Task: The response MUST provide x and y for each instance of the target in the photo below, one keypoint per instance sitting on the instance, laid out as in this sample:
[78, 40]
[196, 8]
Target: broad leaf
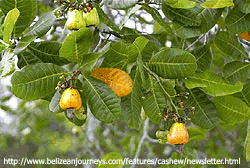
[23, 43]
[196, 134]
[141, 70]
[217, 3]
[102, 101]
[188, 17]
[129, 13]
[132, 104]
[209, 17]
[54, 105]
[42, 26]
[117, 56]
[157, 17]
[120, 4]
[236, 72]
[169, 85]
[77, 45]
[228, 44]
[243, 5]
[231, 110]
[244, 94]
[28, 12]
[237, 22]
[76, 117]
[173, 63]
[38, 29]
[136, 48]
[36, 81]
[205, 115]
[9, 23]
[183, 4]
[155, 102]
[104, 18]
[203, 56]
[6, 64]
[45, 51]
[183, 31]
[88, 62]
[212, 84]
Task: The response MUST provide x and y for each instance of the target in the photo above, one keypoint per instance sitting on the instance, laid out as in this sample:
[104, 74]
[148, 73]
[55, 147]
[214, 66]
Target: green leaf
[217, 3]
[173, 63]
[243, 5]
[76, 45]
[28, 12]
[117, 56]
[231, 110]
[157, 17]
[104, 18]
[42, 26]
[2, 47]
[212, 84]
[76, 117]
[102, 101]
[247, 144]
[237, 22]
[36, 81]
[129, 13]
[228, 44]
[39, 28]
[203, 56]
[169, 86]
[184, 32]
[54, 105]
[9, 22]
[244, 94]
[196, 134]
[205, 115]
[136, 48]
[236, 72]
[209, 17]
[23, 43]
[45, 51]
[111, 156]
[132, 104]
[183, 4]
[6, 64]
[155, 102]
[188, 17]
[88, 62]
[120, 4]
[141, 70]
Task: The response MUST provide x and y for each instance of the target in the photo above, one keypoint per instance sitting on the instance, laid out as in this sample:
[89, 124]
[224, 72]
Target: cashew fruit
[91, 18]
[71, 99]
[178, 134]
[75, 20]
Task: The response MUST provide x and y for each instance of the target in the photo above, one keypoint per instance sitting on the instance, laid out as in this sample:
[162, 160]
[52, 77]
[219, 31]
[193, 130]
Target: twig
[198, 39]
[144, 136]
[4, 43]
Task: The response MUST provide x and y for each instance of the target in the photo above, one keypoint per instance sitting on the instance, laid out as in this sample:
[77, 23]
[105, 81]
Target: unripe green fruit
[162, 141]
[75, 20]
[91, 18]
[76, 130]
[161, 134]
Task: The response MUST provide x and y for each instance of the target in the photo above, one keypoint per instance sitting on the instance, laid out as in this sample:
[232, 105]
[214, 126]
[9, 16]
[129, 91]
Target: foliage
[123, 75]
